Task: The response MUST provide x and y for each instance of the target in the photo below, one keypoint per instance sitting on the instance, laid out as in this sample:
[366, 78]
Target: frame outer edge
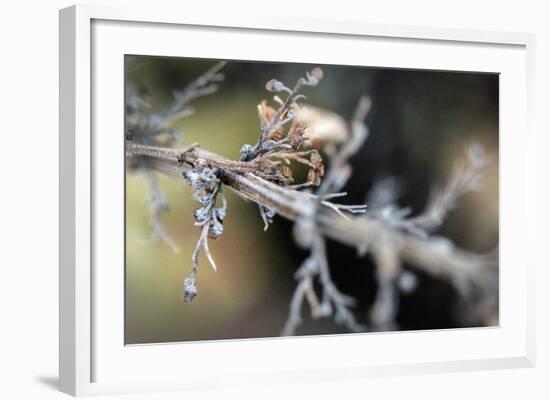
[75, 211]
[280, 22]
[67, 124]
[74, 201]
[530, 46]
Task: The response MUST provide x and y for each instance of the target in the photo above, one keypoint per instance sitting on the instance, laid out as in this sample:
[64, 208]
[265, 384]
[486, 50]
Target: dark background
[420, 125]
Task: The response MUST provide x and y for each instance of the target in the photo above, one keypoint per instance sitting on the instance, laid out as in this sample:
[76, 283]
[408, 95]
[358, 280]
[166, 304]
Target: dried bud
[314, 76]
[189, 289]
[202, 215]
[267, 216]
[270, 213]
[274, 86]
[215, 230]
[246, 150]
[220, 213]
[202, 178]
[317, 72]
[205, 198]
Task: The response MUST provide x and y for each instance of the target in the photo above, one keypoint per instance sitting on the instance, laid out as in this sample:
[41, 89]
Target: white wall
[28, 200]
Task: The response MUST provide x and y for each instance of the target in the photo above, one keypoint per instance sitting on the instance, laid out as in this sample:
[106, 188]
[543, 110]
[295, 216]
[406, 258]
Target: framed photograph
[254, 200]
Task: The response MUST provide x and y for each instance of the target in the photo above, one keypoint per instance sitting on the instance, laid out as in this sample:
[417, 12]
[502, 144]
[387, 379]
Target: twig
[204, 85]
[158, 204]
[148, 129]
[465, 178]
[307, 233]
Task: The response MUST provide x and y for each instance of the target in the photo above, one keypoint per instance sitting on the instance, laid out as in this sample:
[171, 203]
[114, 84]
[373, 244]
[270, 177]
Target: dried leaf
[313, 177]
[296, 134]
[266, 114]
[316, 159]
[287, 172]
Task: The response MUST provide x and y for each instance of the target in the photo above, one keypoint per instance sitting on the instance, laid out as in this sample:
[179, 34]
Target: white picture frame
[93, 359]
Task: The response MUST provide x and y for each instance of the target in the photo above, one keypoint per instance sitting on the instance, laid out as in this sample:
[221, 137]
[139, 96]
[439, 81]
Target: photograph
[267, 199]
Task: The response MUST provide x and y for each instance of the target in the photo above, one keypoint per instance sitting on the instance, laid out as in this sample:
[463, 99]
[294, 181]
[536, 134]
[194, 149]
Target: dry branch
[437, 257]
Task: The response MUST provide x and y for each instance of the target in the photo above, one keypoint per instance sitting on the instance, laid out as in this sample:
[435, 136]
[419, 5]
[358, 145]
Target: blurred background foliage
[420, 125]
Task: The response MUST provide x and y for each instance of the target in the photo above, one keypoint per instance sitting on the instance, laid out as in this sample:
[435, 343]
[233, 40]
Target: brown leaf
[287, 172]
[296, 134]
[313, 177]
[316, 159]
[266, 114]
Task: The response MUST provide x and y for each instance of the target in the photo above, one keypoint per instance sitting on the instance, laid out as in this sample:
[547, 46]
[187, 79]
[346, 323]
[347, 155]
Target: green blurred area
[249, 295]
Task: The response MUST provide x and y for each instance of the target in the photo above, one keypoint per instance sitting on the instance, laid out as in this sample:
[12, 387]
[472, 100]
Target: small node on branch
[190, 289]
